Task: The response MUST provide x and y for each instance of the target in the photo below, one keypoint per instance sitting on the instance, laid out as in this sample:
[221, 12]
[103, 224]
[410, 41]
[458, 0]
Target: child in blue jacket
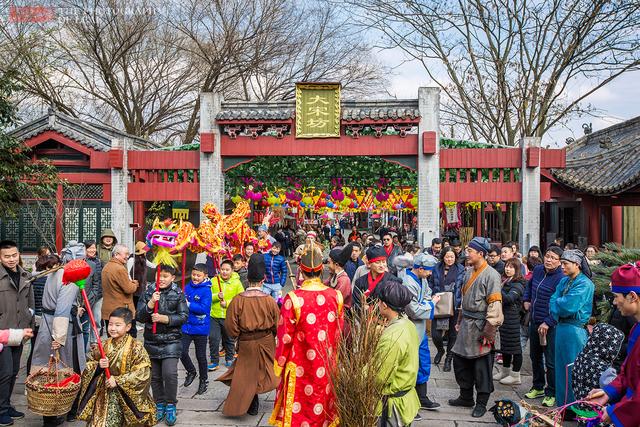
[276, 275]
[198, 295]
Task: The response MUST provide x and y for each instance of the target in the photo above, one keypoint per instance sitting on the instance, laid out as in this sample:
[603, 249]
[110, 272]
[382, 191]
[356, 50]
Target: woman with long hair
[510, 345]
[447, 277]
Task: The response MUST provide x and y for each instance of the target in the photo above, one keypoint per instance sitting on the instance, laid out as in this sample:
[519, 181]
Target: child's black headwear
[256, 268]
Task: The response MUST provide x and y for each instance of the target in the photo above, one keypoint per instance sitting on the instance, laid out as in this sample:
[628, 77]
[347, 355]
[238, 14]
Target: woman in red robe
[308, 331]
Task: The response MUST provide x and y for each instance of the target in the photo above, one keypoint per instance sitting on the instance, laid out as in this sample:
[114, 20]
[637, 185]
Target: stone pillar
[211, 174]
[529, 228]
[121, 209]
[428, 167]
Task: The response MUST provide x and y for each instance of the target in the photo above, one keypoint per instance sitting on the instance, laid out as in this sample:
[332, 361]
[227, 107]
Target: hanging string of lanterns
[337, 199]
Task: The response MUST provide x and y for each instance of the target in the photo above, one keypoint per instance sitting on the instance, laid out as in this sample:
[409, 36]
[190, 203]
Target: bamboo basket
[51, 401]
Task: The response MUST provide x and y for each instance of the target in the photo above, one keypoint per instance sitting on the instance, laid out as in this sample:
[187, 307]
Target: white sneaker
[512, 379]
[502, 373]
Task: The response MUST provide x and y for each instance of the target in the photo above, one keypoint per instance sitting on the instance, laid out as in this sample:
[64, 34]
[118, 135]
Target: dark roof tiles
[604, 163]
[351, 110]
[97, 136]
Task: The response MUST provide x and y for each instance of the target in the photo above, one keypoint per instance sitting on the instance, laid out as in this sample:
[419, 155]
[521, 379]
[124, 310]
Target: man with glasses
[392, 251]
[537, 294]
[493, 258]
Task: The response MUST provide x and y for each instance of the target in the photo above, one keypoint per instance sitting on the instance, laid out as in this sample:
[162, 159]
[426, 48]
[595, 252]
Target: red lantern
[76, 270]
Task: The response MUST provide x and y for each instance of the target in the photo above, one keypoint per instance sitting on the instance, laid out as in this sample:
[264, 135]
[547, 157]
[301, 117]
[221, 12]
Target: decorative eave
[375, 111]
[604, 163]
[96, 136]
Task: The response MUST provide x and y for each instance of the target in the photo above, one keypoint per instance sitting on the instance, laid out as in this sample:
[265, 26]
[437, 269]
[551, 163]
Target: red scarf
[372, 283]
[388, 251]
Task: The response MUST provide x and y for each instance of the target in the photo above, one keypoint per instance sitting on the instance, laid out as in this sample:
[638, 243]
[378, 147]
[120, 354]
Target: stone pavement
[205, 410]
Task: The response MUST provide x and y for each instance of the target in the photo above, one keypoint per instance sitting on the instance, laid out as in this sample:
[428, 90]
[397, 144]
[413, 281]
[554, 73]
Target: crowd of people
[481, 304]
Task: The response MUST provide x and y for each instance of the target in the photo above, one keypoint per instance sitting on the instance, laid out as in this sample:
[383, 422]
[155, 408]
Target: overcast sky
[616, 102]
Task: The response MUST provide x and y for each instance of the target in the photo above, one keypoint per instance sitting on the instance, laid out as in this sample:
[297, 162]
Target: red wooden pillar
[593, 221]
[138, 218]
[59, 218]
[616, 224]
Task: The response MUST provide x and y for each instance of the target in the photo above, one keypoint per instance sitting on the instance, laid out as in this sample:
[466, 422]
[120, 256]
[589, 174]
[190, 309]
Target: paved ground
[206, 409]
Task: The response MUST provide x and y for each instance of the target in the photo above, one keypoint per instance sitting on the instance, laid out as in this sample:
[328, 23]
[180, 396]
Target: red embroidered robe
[308, 330]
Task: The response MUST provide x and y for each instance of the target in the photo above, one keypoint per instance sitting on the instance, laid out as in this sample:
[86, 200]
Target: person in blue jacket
[276, 275]
[419, 310]
[196, 330]
[570, 306]
[537, 293]
[447, 277]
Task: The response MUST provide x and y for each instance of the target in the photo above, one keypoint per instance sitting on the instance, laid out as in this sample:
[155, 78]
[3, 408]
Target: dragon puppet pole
[76, 272]
[216, 265]
[155, 308]
[184, 266]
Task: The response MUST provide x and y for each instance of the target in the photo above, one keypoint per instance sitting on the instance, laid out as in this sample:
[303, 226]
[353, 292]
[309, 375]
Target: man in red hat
[622, 395]
[365, 287]
[311, 318]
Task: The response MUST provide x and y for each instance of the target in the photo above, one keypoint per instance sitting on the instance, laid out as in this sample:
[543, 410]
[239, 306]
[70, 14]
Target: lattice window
[47, 226]
[71, 224]
[32, 228]
[12, 229]
[105, 218]
[83, 191]
[89, 223]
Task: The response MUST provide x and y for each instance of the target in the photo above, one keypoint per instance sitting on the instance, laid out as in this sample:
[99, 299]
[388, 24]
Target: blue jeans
[273, 289]
[542, 357]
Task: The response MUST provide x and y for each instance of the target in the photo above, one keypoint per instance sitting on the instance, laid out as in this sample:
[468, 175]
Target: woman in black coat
[446, 277]
[510, 346]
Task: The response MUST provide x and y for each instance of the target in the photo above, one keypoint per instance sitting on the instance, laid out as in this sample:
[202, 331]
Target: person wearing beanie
[252, 318]
[398, 351]
[265, 240]
[419, 310]
[542, 326]
[315, 312]
[622, 395]
[477, 326]
[570, 306]
[365, 286]
[339, 279]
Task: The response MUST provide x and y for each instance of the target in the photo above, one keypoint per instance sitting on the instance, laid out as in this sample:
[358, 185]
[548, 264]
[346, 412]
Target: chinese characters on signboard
[317, 110]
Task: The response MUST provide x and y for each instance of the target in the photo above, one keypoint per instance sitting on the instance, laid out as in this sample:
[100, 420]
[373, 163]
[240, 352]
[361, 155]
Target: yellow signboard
[318, 110]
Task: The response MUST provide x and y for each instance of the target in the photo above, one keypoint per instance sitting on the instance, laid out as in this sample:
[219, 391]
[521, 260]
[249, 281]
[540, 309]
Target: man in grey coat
[16, 312]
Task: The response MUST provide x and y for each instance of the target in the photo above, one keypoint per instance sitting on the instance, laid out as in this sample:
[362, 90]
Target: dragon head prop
[162, 239]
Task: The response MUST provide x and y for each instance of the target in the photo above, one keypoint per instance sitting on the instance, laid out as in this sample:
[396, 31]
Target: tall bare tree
[509, 68]
[113, 61]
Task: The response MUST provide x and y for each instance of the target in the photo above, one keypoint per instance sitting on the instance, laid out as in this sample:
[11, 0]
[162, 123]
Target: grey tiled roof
[402, 109]
[97, 136]
[604, 163]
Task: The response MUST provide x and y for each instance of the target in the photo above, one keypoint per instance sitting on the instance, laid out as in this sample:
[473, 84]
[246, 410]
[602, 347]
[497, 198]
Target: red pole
[184, 266]
[155, 309]
[87, 307]
[216, 264]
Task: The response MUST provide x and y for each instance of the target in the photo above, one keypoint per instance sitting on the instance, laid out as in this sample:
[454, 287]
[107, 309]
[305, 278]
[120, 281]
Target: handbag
[444, 307]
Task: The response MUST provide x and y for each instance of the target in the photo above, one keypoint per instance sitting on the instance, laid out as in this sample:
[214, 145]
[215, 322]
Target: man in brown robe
[252, 317]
